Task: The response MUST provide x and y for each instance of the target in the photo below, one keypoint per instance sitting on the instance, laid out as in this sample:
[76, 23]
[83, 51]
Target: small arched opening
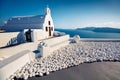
[49, 23]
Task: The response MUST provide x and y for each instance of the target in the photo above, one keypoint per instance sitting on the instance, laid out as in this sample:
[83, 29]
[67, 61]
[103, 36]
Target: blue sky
[66, 13]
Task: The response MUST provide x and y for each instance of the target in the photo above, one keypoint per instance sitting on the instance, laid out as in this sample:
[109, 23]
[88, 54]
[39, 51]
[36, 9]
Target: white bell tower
[47, 10]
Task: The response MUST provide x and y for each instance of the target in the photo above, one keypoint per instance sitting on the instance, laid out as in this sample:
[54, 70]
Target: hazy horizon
[67, 14]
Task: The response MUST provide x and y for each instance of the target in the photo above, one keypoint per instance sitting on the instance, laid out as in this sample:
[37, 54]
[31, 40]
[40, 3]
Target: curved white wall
[9, 38]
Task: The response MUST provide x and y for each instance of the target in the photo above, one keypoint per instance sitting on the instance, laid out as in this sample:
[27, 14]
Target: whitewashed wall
[55, 40]
[10, 51]
[53, 44]
[9, 38]
[15, 62]
[38, 34]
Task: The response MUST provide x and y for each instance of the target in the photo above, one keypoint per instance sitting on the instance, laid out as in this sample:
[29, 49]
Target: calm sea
[89, 34]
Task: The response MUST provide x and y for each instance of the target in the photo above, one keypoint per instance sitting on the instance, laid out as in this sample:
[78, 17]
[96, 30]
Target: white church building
[33, 28]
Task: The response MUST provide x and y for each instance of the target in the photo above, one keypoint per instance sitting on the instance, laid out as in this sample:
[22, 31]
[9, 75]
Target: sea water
[89, 34]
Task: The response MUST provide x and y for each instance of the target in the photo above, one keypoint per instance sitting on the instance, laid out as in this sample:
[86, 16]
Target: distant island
[101, 29]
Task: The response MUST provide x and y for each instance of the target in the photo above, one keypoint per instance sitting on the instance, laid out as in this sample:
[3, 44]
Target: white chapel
[20, 23]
